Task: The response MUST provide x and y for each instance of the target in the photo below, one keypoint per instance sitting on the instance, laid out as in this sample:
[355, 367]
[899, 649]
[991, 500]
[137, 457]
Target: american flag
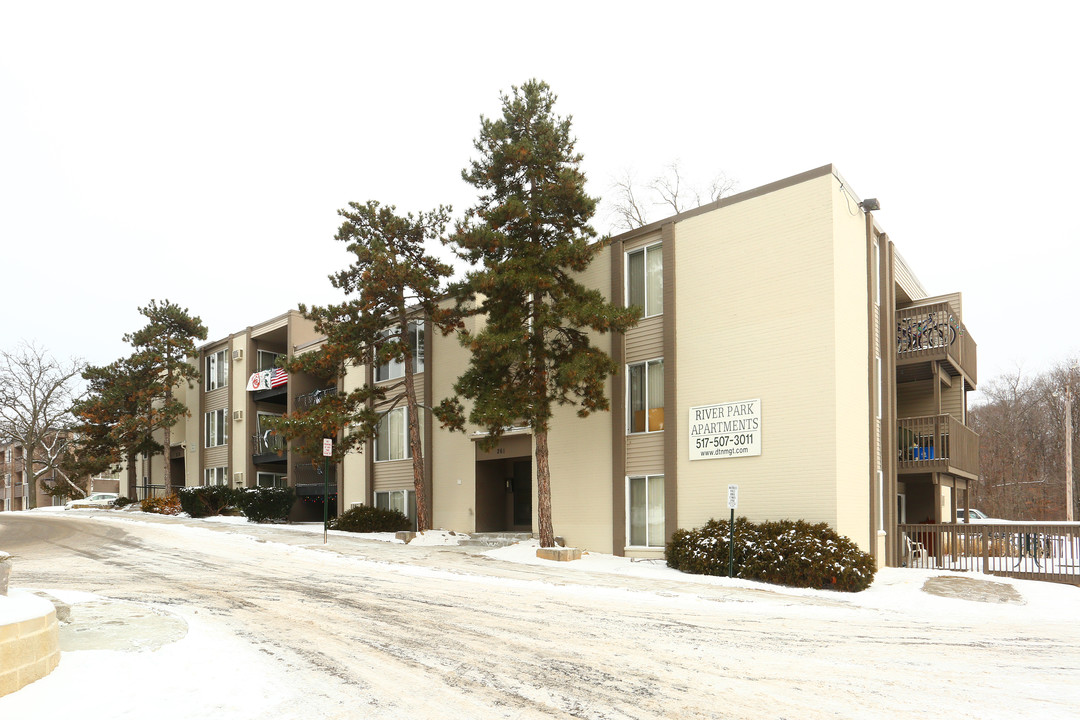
[278, 377]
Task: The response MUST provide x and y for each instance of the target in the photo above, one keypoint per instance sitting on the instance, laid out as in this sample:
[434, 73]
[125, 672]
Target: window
[216, 476]
[216, 432]
[645, 511]
[404, 501]
[395, 368]
[270, 480]
[217, 370]
[391, 437]
[645, 396]
[645, 279]
[267, 360]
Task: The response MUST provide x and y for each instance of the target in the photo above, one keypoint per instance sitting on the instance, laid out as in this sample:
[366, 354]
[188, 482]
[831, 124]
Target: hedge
[207, 500]
[364, 518]
[266, 504]
[785, 552]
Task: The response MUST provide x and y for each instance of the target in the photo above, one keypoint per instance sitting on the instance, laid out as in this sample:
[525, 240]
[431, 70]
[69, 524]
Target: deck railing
[937, 442]
[266, 442]
[934, 331]
[1032, 551]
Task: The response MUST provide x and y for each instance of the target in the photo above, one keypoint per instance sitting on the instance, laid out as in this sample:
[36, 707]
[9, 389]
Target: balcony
[929, 333]
[267, 448]
[938, 443]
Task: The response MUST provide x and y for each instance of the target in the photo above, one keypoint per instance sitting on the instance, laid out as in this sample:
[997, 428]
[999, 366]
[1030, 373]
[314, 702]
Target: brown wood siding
[645, 454]
[646, 341]
[914, 399]
[216, 400]
[952, 400]
[394, 475]
[214, 457]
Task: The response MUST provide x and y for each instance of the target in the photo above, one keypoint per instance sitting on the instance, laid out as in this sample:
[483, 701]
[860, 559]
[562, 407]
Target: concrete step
[495, 539]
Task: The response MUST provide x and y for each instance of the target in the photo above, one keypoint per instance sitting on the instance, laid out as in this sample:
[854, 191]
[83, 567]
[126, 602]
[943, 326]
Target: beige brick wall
[29, 649]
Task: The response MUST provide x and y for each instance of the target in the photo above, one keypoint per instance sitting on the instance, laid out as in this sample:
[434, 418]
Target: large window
[404, 501]
[391, 437]
[267, 360]
[395, 368]
[217, 433]
[270, 480]
[216, 476]
[645, 511]
[217, 370]
[645, 279]
[645, 396]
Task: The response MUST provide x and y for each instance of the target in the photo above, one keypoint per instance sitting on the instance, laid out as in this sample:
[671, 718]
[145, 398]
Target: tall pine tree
[165, 344]
[392, 282]
[527, 238]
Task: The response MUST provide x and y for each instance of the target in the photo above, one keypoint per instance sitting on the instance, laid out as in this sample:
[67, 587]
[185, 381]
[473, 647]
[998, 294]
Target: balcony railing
[938, 443]
[266, 442]
[314, 397]
[933, 332]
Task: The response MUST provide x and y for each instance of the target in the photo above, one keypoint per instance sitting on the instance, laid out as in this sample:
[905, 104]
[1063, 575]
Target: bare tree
[631, 202]
[36, 394]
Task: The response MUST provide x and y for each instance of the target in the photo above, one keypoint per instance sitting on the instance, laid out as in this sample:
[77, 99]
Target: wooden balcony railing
[933, 332]
[938, 443]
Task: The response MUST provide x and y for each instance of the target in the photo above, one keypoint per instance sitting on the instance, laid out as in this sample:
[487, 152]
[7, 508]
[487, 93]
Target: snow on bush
[366, 519]
[785, 552]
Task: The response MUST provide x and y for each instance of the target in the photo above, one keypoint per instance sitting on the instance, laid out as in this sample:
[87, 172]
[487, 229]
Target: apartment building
[785, 347]
[16, 482]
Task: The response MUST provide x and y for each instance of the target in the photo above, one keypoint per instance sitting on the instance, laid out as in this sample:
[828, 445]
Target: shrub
[122, 502]
[704, 551]
[786, 552]
[364, 518]
[169, 505]
[207, 500]
[266, 504]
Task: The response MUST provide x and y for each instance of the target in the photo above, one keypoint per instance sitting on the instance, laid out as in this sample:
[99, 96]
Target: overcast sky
[199, 151]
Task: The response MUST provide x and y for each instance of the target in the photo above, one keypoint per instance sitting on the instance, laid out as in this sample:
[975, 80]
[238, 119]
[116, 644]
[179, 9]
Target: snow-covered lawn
[236, 679]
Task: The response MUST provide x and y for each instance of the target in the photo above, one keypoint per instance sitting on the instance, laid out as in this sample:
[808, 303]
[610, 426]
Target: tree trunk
[132, 477]
[415, 447]
[167, 474]
[543, 489]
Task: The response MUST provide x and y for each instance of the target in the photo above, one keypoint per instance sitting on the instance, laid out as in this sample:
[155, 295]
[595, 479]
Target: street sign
[732, 496]
[327, 447]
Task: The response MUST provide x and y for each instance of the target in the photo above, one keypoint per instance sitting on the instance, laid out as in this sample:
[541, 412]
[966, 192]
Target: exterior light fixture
[870, 204]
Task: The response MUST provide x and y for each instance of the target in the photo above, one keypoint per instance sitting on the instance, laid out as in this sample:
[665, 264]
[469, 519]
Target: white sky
[199, 152]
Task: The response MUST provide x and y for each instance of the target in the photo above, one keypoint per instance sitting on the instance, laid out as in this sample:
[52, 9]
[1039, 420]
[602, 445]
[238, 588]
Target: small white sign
[725, 430]
[327, 447]
[732, 497]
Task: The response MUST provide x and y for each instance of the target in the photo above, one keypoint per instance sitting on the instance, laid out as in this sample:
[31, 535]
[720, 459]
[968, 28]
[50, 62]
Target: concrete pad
[561, 554]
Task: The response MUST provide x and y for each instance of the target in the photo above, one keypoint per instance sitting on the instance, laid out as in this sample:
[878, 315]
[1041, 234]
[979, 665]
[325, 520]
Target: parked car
[93, 500]
[973, 515]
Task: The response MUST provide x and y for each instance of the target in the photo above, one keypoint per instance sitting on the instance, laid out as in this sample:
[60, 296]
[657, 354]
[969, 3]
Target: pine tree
[116, 418]
[391, 282]
[165, 344]
[527, 238]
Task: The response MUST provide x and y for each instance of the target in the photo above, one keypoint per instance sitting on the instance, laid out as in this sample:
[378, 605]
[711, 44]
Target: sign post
[327, 450]
[732, 503]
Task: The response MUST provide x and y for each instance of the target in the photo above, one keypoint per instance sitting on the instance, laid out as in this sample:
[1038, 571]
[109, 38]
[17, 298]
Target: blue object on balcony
[924, 453]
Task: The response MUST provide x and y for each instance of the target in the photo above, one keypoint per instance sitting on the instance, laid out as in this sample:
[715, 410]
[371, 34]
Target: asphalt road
[376, 630]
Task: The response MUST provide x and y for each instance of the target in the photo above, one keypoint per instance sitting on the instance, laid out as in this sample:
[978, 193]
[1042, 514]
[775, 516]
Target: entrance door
[522, 487]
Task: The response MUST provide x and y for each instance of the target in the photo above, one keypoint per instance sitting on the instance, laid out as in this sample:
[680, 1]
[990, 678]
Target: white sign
[725, 430]
[732, 497]
[327, 447]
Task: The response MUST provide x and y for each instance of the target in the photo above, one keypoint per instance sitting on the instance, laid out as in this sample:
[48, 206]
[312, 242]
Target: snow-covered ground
[237, 678]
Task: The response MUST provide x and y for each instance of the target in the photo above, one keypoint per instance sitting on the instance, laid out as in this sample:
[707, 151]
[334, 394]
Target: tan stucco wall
[757, 290]
[354, 466]
[454, 460]
[240, 431]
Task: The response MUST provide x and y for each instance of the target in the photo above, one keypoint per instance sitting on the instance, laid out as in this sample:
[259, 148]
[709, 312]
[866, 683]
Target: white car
[93, 500]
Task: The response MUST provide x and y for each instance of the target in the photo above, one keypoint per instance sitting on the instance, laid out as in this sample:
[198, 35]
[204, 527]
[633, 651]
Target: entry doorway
[504, 495]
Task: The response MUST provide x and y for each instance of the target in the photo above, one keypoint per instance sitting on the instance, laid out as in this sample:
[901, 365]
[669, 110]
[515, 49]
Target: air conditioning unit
[238, 354]
[238, 478]
[237, 414]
